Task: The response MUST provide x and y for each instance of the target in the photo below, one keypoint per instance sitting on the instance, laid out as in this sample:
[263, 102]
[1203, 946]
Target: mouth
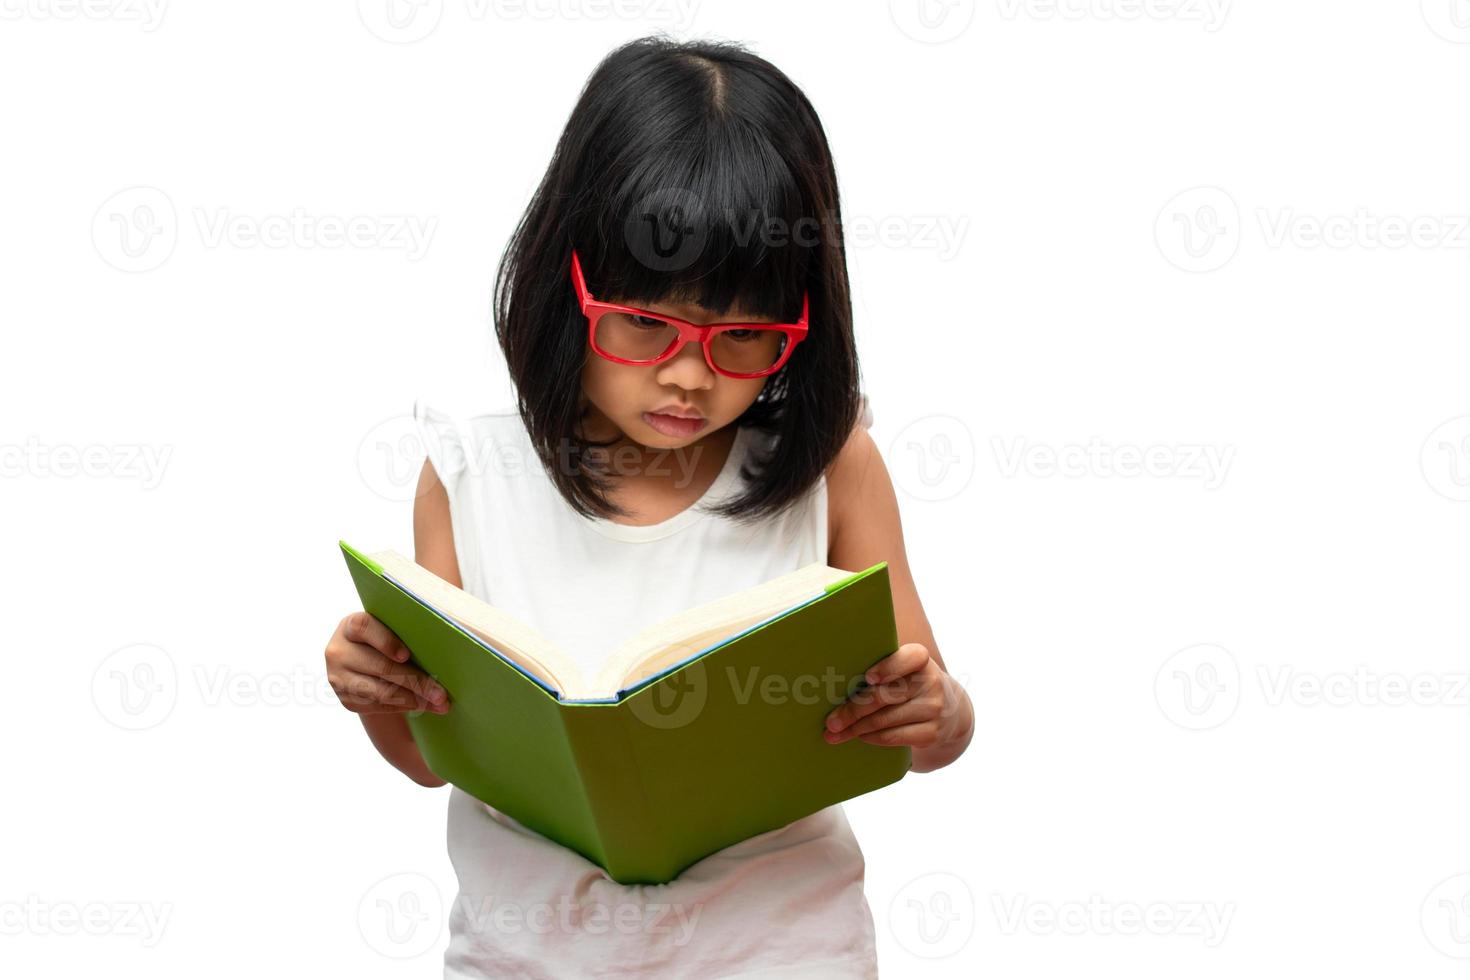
[676, 412]
[674, 425]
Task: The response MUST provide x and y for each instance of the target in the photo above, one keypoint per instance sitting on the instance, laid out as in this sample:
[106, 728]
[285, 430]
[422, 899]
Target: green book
[702, 730]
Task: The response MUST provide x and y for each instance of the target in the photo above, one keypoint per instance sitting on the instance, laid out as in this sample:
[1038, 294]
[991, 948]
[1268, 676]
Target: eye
[739, 335]
[648, 322]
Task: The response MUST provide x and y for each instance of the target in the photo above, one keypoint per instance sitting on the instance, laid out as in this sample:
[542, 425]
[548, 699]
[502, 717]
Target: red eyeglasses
[628, 335]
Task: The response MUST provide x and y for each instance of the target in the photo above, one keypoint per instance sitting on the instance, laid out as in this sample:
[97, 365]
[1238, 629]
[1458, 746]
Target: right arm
[365, 660]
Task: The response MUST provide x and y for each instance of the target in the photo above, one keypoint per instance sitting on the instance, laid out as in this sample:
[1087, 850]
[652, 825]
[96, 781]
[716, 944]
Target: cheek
[607, 385]
[743, 393]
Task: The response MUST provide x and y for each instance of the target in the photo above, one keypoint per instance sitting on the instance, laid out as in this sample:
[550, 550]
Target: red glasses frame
[688, 332]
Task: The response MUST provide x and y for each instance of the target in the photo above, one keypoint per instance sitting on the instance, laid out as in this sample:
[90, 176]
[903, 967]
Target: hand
[367, 667]
[910, 700]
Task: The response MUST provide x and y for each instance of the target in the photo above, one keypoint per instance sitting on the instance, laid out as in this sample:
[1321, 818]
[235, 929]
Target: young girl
[652, 465]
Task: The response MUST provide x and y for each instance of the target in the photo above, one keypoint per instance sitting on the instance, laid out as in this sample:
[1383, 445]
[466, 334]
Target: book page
[517, 641]
[684, 634]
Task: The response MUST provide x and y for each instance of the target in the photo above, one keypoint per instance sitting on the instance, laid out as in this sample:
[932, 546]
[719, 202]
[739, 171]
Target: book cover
[720, 747]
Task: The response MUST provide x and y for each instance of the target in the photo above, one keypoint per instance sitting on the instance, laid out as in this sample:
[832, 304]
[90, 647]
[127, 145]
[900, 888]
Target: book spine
[376, 568]
[843, 583]
[613, 780]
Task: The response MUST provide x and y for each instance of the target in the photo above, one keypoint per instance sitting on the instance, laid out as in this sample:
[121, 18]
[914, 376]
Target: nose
[686, 369]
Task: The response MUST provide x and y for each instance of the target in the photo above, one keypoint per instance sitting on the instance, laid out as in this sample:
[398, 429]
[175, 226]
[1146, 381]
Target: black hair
[692, 171]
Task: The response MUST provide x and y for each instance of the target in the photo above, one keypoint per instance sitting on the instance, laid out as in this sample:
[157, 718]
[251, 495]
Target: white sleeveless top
[786, 903]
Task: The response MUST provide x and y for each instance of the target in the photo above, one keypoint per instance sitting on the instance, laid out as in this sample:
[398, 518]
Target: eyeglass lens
[643, 338]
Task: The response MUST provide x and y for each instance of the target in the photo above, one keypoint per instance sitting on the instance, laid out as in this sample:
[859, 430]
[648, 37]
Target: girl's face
[625, 395]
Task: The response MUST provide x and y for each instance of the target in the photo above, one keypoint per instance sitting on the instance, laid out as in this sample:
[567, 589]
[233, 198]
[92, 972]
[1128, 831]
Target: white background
[1225, 700]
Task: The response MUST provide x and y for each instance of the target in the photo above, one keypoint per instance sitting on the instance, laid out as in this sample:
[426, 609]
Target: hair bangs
[715, 218]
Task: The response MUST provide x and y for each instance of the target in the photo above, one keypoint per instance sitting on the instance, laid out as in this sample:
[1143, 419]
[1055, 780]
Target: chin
[653, 439]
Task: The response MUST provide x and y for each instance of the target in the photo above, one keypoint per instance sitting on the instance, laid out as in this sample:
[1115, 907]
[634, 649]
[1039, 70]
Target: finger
[375, 708]
[365, 689]
[364, 692]
[908, 658]
[362, 627]
[918, 736]
[364, 659]
[867, 700]
[358, 695]
[909, 712]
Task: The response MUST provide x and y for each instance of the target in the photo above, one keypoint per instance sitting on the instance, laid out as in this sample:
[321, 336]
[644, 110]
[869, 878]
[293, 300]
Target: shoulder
[433, 527]
[856, 458]
[456, 441]
[858, 454]
[454, 446]
[862, 508]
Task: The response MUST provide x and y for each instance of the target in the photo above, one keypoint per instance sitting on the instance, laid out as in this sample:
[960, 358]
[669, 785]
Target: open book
[700, 731]
[644, 655]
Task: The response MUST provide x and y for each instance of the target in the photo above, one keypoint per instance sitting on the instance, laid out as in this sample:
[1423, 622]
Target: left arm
[913, 699]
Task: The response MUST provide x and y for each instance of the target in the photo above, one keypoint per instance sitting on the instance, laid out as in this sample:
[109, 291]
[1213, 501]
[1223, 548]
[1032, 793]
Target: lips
[677, 412]
[670, 425]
